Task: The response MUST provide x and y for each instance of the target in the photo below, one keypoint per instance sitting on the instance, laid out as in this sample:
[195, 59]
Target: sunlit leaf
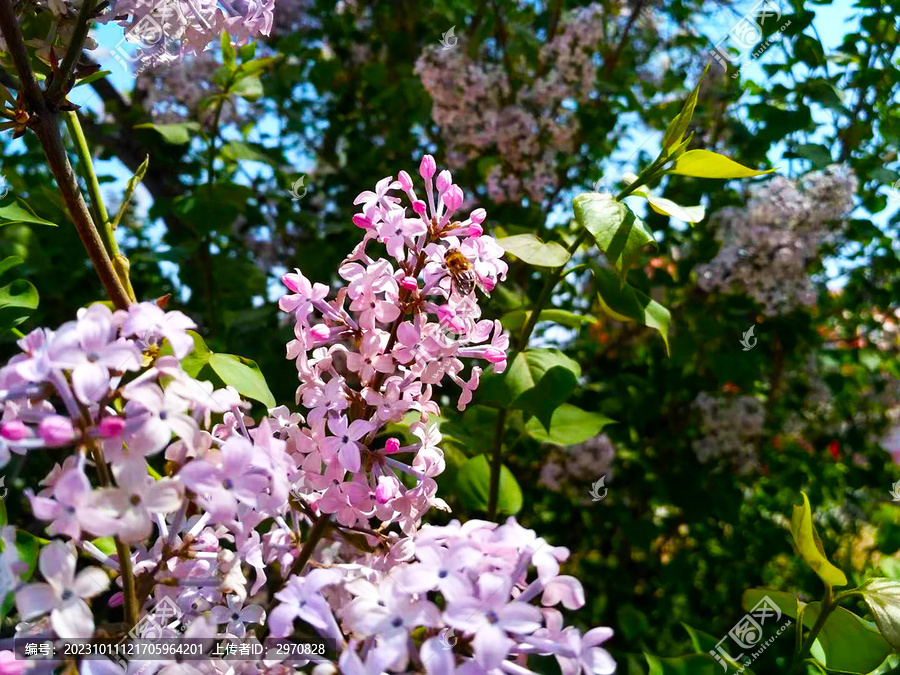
[532, 250]
[708, 164]
[809, 546]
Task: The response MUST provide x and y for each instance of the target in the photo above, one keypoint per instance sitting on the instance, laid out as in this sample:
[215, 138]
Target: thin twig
[120, 263]
[46, 127]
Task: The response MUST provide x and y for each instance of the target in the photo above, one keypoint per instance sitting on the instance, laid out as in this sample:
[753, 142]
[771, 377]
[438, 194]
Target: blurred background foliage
[338, 95]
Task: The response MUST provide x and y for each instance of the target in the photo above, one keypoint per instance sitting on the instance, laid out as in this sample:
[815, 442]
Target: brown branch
[47, 131]
[46, 126]
[9, 26]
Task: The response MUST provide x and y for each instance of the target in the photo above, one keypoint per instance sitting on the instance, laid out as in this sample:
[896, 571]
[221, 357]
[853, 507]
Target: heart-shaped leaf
[883, 598]
[473, 485]
[568, 425]
[532, 250]
[618, 233]
[244, 375]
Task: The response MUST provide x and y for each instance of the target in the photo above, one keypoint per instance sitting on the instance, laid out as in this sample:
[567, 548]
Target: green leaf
[27, 548]
[255, 66]
[626, 303]
[106, 544]
[618, 233]
[4, 518]
[21, 213]
[786, 602]
[177, 133]
[818, 154]
[244, 375]
[689, 214]
[809, 546]
[518, 318]
[93, 77]
[676, 128]
[228, 51]
[9, 263]
[704, 643]
[473, 485]
[237, 150]
[196, 359]
[568, 425]
[250, 87]
[883, 598]
[540, 380]
[532, 250]
[17, 301]
[133, 182]
[247, 52]
[849, 644]
[846, 642]
[708, 164]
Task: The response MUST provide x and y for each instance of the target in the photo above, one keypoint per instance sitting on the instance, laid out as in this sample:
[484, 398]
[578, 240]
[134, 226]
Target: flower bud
[56, 430]
[387, 489]
[361, 221]
[453, 198]
[444, 180]
[419, 207]
[405, 181]
[110, 427]
[427, 167]
[14, 431]
[409, 283]
[391, 446]
[291, 280]
[477, 216]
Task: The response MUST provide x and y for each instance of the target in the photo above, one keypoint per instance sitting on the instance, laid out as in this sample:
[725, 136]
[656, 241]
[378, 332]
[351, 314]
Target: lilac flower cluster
[315, 517]
[474, 105]
[768, 247]
[575, 468]
[167, 30]
[731, 429]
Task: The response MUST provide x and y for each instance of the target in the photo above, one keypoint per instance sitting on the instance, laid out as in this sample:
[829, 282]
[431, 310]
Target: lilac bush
[301, 522]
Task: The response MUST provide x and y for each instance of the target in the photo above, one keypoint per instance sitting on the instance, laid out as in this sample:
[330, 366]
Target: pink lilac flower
[137, 498]
[235, 615]
[64, 593]
[74, 508]
[491, 617]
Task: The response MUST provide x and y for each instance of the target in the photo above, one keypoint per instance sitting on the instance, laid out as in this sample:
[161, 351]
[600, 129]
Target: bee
[461, 271]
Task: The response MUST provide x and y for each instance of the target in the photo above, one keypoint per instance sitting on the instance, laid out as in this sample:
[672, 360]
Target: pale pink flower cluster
[730, 429]
[575, 468]
[163, 31]
[226, 541]
[768, 247]
[479, 115]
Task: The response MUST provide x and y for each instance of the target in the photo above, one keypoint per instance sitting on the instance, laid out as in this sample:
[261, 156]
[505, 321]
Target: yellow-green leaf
[689, 214]
[675, 131]
[708, 164]
[809, 546]
[532, 250]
